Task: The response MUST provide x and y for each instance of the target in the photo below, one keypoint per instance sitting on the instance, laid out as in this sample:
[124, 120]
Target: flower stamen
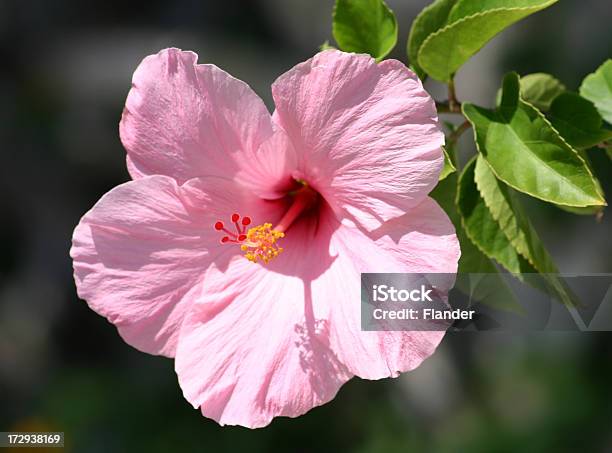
[260, 242]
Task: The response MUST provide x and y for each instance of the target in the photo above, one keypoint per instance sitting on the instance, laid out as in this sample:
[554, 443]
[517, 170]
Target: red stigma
[237, 236]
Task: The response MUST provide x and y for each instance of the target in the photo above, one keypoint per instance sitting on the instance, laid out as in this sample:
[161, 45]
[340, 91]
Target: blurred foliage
[66, 72]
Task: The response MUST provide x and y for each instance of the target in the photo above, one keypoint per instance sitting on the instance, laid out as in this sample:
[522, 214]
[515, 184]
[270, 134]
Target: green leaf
[509, 216]
[470, 25]
[540, 90]
[528, 154]
[364, 26]
[500, 229]
[578, 121]
[472, 260]
[431, 19]
[588, 210]
[482, 228]
[517, 228]
[489, 288]
[597, 88]
[449, 167]
[597, 211]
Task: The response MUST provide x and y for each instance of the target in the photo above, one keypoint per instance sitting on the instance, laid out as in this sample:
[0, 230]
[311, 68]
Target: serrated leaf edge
[466, 18]
[513, 241]
[466, 230]
[561, 84]
[562, 139]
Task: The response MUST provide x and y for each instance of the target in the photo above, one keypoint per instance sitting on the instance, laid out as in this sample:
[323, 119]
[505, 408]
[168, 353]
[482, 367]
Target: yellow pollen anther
[260, 243]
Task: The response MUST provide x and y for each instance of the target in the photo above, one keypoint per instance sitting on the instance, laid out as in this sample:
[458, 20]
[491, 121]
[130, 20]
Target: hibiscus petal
[366, 134]
[268, 173]
[255, 346]
[186, 120]
[141, 252]
[421, 241]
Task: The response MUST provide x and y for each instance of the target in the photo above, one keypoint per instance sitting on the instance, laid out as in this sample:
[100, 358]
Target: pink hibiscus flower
[333, 184]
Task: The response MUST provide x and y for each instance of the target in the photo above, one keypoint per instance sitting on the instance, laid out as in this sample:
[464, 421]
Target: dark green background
[64, 73]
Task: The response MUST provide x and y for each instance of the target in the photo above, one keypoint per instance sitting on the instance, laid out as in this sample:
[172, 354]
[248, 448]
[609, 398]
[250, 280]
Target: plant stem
[444, 107]
[453, 104]
[454, 136]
